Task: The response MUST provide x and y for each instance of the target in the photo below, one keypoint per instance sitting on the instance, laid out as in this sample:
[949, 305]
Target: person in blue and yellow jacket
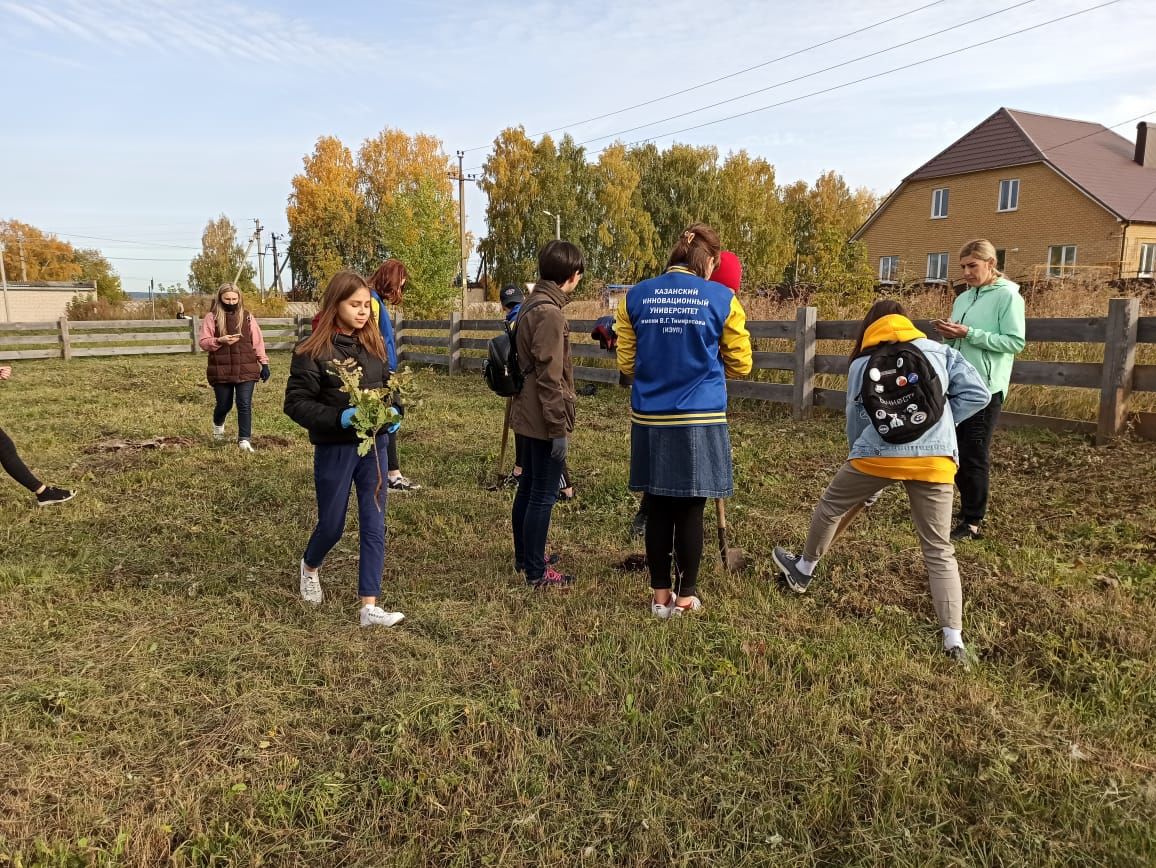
[386, 285]
[680, 336]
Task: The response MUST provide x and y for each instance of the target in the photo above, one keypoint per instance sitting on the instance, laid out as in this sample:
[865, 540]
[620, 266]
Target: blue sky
[140, 121]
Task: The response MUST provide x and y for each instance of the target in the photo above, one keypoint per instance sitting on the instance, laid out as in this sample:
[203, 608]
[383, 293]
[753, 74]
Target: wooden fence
[459, 345]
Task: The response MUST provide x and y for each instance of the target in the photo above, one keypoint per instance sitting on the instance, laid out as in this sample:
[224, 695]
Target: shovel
[505, 440]
[733, 559]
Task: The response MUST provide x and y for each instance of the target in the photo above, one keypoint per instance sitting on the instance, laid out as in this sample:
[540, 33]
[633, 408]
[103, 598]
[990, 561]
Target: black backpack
[502, 371]
[901, 392]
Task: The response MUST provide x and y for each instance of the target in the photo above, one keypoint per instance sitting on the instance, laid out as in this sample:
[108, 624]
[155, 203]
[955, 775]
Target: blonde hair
[983, 249]
[218, 307]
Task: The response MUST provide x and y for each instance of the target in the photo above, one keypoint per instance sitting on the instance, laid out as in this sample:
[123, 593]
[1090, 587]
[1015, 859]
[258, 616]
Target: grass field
[165, 697]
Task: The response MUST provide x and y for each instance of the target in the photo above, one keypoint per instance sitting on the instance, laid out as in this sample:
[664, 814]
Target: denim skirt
[691, 461]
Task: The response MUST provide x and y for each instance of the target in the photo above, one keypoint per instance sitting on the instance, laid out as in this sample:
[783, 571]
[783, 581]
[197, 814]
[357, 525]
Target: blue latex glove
[265, 373]
[392, 427]
[347, 417]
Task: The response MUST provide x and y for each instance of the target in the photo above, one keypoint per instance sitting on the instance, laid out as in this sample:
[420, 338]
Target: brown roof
[1092, 157]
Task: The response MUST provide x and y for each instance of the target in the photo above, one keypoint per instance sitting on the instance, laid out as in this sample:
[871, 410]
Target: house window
[1009, 194]
[1061, 258]
[937, 267]
[1000, 258]
[1147, 260]
[889, 269]
[939, 203]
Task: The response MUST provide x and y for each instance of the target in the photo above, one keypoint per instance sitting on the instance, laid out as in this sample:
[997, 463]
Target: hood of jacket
[892, 328]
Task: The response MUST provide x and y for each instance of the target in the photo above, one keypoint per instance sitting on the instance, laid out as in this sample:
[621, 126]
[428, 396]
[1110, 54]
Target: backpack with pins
[901, 392]
[502, 371]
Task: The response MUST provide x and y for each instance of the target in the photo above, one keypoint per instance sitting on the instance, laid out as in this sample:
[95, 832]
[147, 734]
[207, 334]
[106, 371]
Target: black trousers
[973, 478]
[13, 466]
[674, 524]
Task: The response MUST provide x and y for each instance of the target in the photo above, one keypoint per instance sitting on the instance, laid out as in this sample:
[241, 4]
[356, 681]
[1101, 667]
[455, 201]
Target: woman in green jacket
[987, 327]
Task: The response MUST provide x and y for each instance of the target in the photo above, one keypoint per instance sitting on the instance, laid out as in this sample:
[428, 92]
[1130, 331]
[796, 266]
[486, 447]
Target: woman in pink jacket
[237, 358]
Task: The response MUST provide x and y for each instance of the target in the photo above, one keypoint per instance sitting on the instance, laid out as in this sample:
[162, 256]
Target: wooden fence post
[194, 334]
[65, 344]
[804, 397]
[455, 346]
[297, 326]
[398, 322]
[1119, 362]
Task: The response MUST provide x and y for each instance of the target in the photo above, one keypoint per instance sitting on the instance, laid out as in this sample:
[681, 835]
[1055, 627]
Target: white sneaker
[246, 446]
[311, 586]
[375, 616]
[676, 610]
[662, 610]
[218, 432]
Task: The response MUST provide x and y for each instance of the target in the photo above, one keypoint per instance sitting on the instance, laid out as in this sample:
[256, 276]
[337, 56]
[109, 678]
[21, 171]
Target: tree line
[626, 207]
[30, 254]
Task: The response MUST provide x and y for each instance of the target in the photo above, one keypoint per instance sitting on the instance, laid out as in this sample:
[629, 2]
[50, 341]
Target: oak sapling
[375, 407]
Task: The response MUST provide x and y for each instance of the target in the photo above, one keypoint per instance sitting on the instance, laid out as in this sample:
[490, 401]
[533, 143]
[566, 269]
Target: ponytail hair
[695, 248]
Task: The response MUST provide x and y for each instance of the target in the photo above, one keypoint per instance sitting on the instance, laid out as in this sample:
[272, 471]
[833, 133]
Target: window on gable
[1009, 194]
[939, 203]
[1061, 259]
[1147, 260]
[937, 267]
[888, 269]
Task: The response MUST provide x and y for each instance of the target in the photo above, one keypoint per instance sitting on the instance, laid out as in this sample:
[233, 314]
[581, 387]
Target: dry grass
[165, 698]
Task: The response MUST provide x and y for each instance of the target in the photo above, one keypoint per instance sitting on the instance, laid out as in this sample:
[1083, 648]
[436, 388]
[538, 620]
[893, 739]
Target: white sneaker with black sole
[311, 586]
[788, 565]
[375, 616]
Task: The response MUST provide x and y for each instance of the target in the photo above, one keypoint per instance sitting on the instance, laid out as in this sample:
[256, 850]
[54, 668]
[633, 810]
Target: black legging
[674, 524]
[391, 453]
[16, 468]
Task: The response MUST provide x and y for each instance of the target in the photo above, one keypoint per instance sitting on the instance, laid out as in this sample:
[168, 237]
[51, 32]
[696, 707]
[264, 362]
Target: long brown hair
[883, 307]
[219, 309]
[387, 280]
[340, 287]
[695, 248]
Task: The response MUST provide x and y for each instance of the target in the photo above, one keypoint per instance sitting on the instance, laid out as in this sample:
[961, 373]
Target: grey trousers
[931, 513]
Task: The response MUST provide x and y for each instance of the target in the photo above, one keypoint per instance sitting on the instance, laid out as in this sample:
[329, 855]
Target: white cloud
[216, 28]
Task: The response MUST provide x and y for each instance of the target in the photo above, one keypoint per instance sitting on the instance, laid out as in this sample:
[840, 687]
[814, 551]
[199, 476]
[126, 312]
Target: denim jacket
[966, 396]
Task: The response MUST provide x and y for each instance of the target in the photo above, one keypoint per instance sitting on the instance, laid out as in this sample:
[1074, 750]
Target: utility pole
[152, 301]
[276, 266]
[462, 227]
[557, 224]
[260, 256]
[4, 283]
[23, 265]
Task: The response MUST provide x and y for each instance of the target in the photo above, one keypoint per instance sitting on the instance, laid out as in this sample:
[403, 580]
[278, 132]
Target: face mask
[229, 308]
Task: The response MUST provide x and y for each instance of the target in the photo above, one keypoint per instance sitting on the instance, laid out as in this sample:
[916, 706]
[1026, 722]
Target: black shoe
[788, 565]
[550, 579]
[964, 530]
[51, 495]
[510, 481]
[638, 525]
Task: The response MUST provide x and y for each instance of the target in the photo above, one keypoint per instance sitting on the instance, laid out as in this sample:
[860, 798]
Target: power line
[886, 72]
[728, 75]
[122, 240]
[799, 78]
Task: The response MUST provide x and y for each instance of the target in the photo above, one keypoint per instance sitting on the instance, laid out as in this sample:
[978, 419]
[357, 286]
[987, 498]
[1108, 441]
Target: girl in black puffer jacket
[345, 330]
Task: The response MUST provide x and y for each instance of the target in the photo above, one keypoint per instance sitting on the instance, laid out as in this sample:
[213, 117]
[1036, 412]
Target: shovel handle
[721, 515]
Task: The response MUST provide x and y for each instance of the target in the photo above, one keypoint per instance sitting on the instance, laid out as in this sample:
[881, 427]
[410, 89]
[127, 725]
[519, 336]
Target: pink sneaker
[552, 579]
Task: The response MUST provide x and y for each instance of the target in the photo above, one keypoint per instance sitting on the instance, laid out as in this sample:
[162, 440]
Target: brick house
[1057, 197]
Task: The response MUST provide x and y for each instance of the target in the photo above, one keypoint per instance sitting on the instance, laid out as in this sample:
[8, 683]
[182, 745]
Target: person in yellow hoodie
[911, 445]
